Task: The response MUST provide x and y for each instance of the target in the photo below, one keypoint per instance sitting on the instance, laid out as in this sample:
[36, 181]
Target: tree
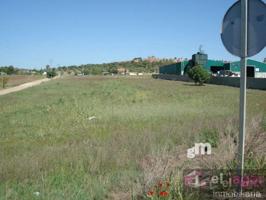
[10, 70]
[198, 74]
[112, 69]
[4, 81]
[51, 73]
[96, 71]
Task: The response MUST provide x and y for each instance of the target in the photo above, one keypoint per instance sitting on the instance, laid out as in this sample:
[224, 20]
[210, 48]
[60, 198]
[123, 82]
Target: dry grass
[165, 165]
[15, 80]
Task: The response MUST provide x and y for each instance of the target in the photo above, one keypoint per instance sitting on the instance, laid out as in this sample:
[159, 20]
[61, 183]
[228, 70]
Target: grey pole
[243, 83]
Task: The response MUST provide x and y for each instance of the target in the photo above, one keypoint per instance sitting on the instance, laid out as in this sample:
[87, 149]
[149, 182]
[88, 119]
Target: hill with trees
[136, 65]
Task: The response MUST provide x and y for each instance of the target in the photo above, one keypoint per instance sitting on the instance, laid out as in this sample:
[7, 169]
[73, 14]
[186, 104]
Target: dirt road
[23, 86]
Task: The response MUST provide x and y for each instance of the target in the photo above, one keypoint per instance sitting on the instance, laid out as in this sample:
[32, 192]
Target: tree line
[11, 70]
[8, 70]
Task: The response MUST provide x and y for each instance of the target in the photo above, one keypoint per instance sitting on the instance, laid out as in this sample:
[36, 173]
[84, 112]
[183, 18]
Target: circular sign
[231, 28]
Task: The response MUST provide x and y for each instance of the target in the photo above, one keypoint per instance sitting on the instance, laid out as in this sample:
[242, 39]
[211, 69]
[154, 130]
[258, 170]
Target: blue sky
[65, 32]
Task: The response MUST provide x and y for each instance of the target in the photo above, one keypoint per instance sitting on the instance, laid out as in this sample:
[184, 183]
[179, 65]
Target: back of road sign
[231, 28]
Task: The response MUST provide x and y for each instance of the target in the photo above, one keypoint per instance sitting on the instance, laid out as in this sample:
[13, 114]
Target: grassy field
[15, 80]
[113, 138]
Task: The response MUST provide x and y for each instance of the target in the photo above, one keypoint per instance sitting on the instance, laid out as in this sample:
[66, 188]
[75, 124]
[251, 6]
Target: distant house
[137, 60]
[106, 73]
[133, 73]
[3, 73]
[152, 59]
[122, 70]
[178, 60]
[44, 73]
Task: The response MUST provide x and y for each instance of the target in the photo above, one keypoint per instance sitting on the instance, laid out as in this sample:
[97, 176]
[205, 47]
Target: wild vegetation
[118, 137]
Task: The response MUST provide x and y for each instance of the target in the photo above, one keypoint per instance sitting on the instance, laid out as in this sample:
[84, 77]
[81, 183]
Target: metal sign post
[243, 35]
[243, 84]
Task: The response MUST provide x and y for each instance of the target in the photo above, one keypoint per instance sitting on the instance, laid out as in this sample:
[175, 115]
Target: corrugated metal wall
[235, 66]
[170, 69]
[182, 67]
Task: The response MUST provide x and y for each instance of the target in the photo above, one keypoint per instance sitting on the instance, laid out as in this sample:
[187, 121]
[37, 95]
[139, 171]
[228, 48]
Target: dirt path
[23, 86]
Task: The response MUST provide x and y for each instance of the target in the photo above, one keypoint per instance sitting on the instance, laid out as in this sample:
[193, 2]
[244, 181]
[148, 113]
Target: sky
[35, 33]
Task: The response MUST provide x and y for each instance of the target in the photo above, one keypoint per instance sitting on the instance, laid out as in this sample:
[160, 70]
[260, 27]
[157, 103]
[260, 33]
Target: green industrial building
[254, 68]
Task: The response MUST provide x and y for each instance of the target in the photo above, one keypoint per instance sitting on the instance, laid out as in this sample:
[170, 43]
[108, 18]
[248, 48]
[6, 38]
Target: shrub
[51, 74]
[199, 75]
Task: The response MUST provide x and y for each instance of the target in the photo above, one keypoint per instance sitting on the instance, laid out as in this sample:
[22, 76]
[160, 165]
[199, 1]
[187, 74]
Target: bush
[199, 75]
[51, 74]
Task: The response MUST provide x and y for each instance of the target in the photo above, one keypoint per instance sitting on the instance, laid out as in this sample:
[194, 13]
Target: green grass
[49, 145]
